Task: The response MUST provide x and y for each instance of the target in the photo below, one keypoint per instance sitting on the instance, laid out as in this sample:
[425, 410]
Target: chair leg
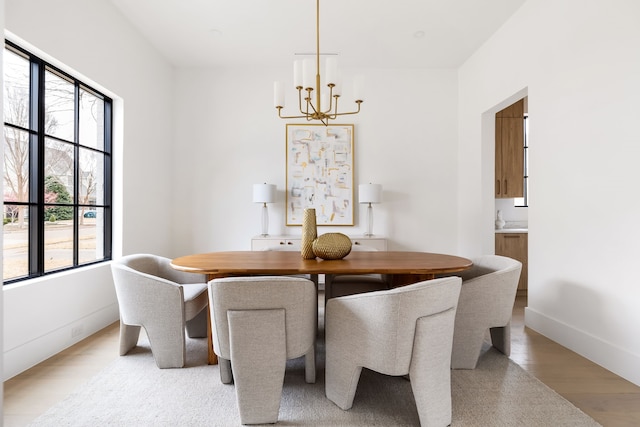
[197, 327]
[341, 380]
[310, 365]
[467, 345]
[430, 368]
[258, 347]
[128, 337]
[501, 338]
[226, 375]
[167, 345]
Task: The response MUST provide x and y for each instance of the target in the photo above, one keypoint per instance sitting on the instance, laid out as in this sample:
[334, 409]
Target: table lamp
[264, 193]
[369, 193]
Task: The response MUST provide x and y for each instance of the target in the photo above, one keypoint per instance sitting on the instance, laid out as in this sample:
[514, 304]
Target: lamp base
[265, 221]
[369, 231]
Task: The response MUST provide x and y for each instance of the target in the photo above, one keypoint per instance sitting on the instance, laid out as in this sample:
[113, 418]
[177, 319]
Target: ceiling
[364, 33]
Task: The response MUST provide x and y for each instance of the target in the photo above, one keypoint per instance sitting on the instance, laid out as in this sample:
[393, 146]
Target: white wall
[578, 62]
[94, 42]
[228, 137]
[2, 188]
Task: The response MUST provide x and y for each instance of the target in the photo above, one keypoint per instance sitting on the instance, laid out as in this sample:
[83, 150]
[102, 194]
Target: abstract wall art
[320, 173]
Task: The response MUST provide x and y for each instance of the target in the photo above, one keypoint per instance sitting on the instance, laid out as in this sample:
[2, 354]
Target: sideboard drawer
[260, 243]
[377, 243]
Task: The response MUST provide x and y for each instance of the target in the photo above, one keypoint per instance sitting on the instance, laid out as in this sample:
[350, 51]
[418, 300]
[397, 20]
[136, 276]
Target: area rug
[132, 391]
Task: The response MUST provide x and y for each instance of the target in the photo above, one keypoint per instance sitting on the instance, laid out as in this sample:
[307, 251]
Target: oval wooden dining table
[403, 267]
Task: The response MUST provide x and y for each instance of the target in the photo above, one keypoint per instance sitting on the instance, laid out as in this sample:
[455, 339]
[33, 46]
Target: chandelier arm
[324, 119]
[335, 111]
[330, 107]
[351, 112]
[289, 117]
[316, 111]
[307, 101]
[300, 99]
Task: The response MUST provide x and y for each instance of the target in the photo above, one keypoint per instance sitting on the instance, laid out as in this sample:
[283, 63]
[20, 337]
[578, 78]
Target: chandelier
[309, 88]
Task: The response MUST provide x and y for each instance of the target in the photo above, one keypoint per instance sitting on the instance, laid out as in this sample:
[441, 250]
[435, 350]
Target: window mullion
[108, 179]
[76, 175]
[36, 182]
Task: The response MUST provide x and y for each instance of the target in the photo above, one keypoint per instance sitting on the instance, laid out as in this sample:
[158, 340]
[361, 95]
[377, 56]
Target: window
[57, 169]
[523, 202]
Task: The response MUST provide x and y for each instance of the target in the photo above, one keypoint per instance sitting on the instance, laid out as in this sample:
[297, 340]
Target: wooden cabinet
[515, 245]
[510, 151]
[260, 243]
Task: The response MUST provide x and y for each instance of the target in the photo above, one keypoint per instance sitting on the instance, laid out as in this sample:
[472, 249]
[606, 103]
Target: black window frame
[37, 147]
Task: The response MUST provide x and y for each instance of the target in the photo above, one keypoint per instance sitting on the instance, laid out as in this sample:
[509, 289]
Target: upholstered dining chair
[406, 330]
[486, 302]
[258, 323]
[163, 301]
[338, 285]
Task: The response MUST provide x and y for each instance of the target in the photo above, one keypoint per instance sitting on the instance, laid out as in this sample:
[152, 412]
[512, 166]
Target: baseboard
[611, 357]
[19, 359]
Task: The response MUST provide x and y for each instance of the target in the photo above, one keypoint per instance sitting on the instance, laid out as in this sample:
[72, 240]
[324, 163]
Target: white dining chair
[258, 323]
[486, 303]
[402, 331]
[163, 301]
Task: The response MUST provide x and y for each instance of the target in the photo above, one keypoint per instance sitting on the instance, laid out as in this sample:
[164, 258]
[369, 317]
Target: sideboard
[261, 243]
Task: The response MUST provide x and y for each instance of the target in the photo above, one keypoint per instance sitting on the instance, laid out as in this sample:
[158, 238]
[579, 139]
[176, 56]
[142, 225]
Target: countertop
[512, 230]
[514, 227]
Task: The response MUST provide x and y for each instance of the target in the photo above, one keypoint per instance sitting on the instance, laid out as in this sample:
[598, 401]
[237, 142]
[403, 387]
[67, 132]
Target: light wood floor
[606, 397]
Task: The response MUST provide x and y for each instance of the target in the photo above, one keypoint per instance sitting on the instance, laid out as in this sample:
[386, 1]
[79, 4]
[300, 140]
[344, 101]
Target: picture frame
[320, 173]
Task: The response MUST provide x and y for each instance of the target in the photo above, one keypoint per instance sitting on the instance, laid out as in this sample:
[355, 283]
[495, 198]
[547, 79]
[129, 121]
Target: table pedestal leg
[398, 280]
